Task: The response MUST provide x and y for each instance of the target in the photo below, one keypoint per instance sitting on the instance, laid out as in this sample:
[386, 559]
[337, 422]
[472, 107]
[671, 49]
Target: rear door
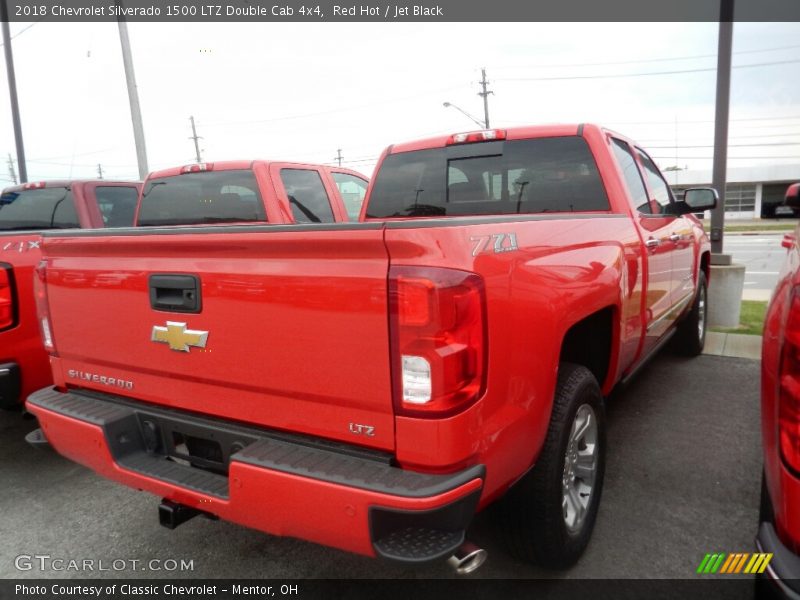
[679, 234]
[307, 193]
[112, 204]
[655, 229]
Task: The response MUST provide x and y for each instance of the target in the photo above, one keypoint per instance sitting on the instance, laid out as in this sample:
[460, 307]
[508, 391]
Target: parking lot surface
[682, 479]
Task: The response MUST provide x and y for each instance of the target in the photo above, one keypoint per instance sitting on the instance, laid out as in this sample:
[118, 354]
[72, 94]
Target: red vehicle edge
[779, 519]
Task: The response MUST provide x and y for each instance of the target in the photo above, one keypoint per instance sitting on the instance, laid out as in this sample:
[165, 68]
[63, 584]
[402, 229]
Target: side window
[352, 190]
[64, 214]
[658, 186]
[117, 204]
[633, 178]
[307, 196]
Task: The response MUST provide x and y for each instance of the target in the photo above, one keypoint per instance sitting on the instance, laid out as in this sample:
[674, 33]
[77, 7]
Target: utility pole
[485, 94]
[338, 157]
[99, 171]
[12, 90]
[11, 169]
[195, 137]
[722, 103]
[133, 98]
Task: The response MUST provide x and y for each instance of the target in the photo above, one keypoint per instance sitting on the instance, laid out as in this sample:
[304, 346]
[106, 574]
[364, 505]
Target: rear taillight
[438, 340]
[43, 306]
[8, 312]
[789, 401]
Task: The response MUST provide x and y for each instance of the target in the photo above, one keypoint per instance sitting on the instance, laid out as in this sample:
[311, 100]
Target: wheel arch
[590, 342]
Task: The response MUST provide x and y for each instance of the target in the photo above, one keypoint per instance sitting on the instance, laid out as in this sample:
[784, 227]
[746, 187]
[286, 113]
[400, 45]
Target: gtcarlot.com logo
[734, 563]
[46, 562]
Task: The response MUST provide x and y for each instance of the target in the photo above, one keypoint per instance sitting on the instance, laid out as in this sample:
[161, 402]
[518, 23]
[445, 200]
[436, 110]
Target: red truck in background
[223, 192]
[251, 191]
[25, 211]
[371, 385]
[779, 522]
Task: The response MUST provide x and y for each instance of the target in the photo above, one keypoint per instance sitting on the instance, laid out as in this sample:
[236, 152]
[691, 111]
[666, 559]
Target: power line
[335, 110]
[733, 137]
[732, 145]
[645, 74]
[640, 61]
[729, 158]
[711, 121]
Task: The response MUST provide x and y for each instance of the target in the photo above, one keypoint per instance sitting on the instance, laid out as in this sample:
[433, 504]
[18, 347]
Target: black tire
[690, 337]
[532, 512]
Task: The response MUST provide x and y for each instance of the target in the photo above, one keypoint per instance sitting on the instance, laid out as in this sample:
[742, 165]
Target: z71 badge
[496, 243]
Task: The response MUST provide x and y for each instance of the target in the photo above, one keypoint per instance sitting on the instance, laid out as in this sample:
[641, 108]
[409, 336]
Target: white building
[751, 192]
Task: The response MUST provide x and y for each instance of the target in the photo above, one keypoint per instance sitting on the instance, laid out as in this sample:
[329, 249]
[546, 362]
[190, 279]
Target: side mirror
[793, 196]
[700, 199]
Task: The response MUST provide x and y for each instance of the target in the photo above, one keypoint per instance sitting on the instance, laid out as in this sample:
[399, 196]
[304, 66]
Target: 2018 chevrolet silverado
[371, 385]
[25, 211]
[779, 523]
[250, 191]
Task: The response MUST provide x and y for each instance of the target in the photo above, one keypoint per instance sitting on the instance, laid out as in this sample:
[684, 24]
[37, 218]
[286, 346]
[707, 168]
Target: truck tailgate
[295, 323]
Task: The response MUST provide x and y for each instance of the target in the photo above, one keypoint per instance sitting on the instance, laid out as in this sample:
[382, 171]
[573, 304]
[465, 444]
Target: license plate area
[202, 446]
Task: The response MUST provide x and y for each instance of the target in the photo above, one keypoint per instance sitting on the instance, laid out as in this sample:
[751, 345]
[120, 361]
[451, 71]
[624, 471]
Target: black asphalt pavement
[682, 479]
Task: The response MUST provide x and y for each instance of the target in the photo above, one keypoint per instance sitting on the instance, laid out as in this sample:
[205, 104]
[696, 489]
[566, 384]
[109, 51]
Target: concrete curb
[734, 345]
[766, 232]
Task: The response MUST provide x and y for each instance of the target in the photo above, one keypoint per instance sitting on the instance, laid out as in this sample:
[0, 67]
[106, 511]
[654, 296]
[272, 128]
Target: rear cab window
[117, 204]
[226, 196]
[541, 175]
[38, 209]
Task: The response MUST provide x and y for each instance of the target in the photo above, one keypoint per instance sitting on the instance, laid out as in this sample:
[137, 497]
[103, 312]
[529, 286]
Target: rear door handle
[675, 237]
[175, 293]
[652, 242]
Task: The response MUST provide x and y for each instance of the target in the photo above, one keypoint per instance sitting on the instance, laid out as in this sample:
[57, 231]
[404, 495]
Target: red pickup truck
[251, 191]
[25, 211]
[371, 385]
[779, 523]
[222, 192]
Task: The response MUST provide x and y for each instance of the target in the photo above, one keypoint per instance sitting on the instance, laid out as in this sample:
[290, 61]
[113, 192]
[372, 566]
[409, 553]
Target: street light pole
[722, 105]
[12, 90]
[481, 124]
[133, 98]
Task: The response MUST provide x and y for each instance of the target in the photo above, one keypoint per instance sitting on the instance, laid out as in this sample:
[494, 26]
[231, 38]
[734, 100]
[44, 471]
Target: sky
[301, 91]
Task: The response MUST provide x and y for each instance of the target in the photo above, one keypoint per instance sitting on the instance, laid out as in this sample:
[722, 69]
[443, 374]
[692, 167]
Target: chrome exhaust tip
[467, 559]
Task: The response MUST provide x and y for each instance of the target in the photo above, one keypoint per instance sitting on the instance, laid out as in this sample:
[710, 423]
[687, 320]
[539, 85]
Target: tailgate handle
[175, 293]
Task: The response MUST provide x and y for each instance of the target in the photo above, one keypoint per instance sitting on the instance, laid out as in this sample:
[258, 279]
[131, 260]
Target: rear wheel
[690, 337]
[549, 515]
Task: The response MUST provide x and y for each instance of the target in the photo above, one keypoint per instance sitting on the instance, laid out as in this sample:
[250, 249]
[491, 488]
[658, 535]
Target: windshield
[541, 175]
[43, 208]
[198, 198]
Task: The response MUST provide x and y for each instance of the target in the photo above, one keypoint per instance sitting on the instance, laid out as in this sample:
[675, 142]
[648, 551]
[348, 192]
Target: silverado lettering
[101, 379]
[497, 288]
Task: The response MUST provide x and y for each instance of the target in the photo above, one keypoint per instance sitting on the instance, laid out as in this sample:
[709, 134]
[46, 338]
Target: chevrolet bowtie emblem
[178, 337]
